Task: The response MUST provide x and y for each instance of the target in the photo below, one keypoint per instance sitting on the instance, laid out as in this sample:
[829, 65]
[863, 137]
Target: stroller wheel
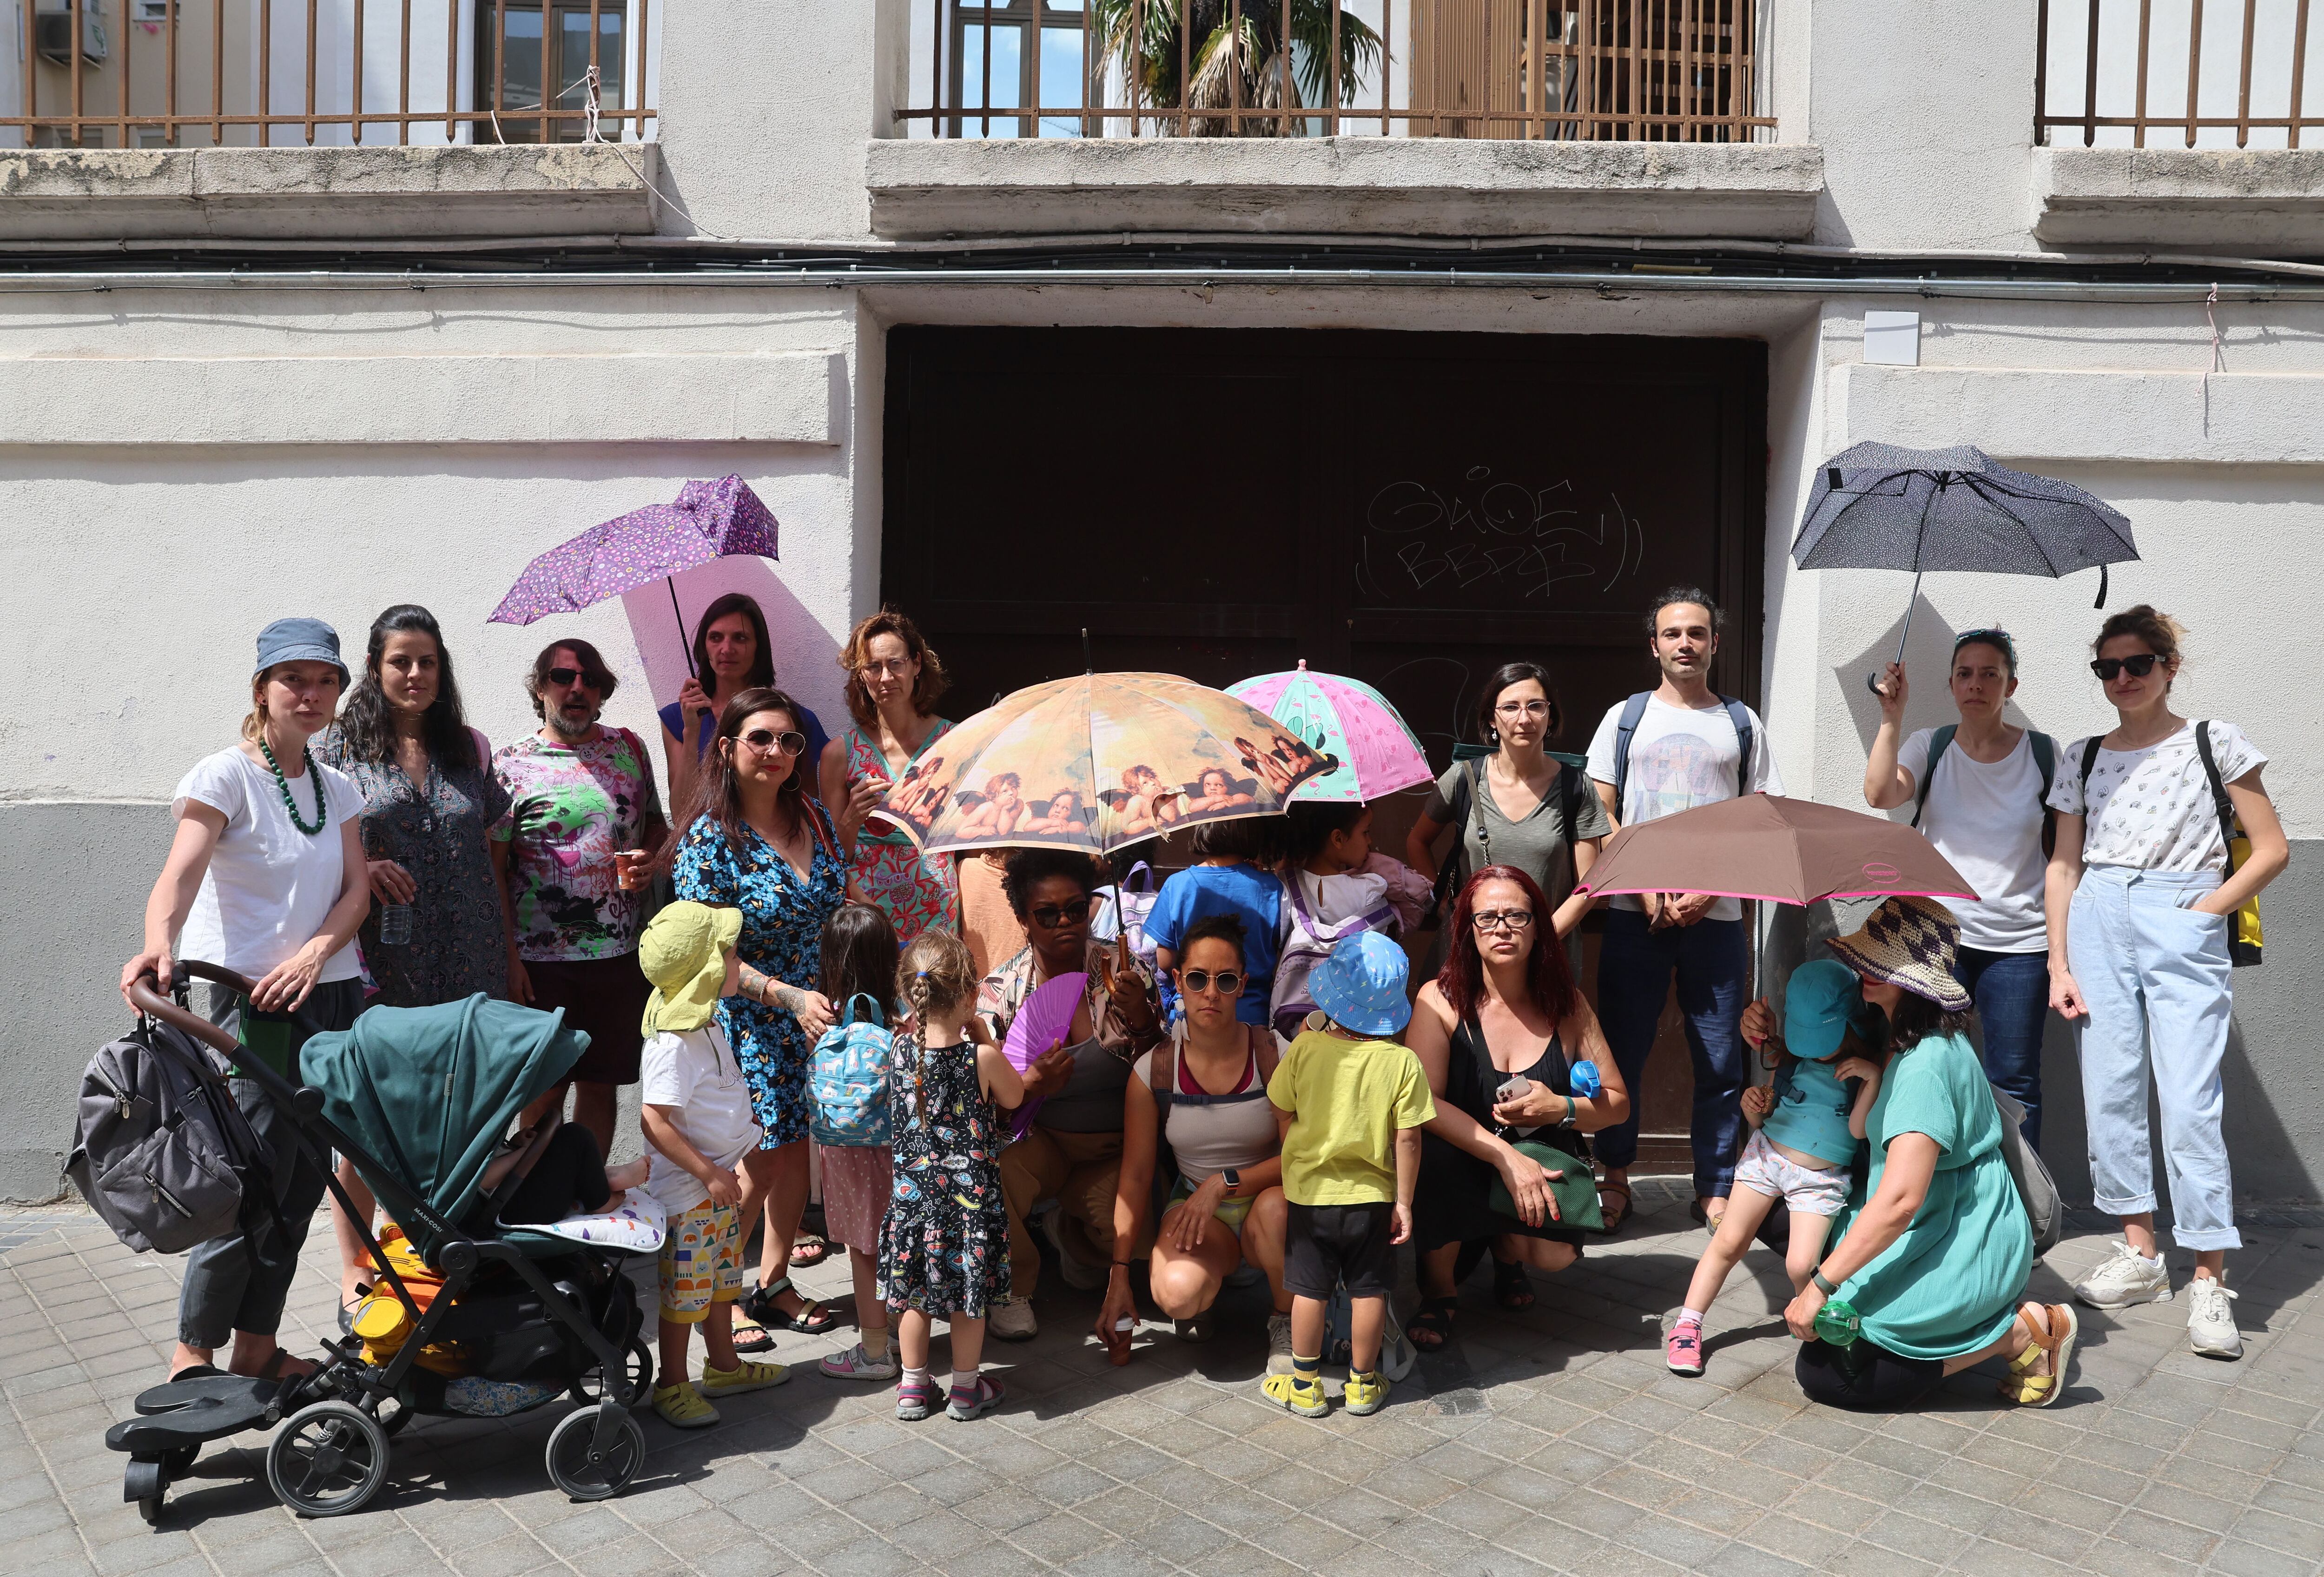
[588, 1388]
[580, 1467]
[177, 1464]
[327, 1460]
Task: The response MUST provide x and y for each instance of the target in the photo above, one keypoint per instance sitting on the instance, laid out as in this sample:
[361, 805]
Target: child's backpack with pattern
[848, 1075]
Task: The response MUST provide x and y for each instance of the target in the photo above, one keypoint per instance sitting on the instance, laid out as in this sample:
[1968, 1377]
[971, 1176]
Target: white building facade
[1402, 404]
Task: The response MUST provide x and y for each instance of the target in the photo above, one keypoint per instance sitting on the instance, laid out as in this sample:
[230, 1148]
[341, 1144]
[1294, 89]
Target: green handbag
[1576, 1192]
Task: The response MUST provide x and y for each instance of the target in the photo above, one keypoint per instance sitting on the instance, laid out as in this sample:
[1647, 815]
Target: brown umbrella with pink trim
[1783, 851]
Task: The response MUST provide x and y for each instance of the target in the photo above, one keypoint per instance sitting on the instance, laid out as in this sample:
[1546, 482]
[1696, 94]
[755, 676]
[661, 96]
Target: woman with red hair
[1497, 1032]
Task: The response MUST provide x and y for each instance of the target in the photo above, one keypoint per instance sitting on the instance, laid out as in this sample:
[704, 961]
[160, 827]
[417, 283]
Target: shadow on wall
[806, 656]
[1928, 660]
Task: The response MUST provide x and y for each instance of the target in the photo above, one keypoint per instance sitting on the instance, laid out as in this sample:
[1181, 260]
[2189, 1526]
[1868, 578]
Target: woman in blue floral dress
[761, 845]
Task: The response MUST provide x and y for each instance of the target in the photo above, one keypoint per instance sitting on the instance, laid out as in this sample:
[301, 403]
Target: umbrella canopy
[1096, 762]
[710, 520]
[1346, 720]
[1785, 850]
[428, 1092]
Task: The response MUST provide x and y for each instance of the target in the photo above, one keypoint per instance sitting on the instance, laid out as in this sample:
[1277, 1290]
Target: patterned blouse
[917, 891]
[783, 917]
[438, 832]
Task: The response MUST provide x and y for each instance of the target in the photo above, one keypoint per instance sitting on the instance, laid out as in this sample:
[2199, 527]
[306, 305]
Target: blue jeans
[2158, 983]
[2012, 1003]
[1712, 961]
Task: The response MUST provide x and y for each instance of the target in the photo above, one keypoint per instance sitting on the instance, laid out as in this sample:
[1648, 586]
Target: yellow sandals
[2056, 1344]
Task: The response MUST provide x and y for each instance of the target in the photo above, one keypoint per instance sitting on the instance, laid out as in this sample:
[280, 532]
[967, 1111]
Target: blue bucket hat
[1361, 986]
[299, 641]
[1819, 1001]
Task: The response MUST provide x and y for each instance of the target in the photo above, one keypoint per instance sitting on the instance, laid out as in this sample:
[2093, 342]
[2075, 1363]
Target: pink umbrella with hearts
[1373, 750]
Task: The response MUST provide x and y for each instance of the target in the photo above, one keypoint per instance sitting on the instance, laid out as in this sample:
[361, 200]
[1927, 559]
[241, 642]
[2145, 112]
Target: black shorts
[1326, 1245]
[605, 999]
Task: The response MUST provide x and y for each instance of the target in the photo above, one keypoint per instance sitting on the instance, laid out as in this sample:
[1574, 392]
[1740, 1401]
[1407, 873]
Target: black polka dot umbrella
[1876, 506]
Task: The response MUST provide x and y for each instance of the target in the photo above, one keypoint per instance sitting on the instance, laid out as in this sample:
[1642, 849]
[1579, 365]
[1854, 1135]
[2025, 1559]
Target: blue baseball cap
[1819, 999]
[1361, 986]
[299, 641]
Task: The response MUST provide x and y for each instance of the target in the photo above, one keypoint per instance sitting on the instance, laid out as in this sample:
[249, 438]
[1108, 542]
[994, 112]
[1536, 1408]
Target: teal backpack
[847, 1077]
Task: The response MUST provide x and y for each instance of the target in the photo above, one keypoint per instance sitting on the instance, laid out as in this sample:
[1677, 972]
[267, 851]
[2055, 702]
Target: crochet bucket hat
[1908, 942]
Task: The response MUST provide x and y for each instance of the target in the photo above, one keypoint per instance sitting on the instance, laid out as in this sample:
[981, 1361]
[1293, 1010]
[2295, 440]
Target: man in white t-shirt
[1658, 753]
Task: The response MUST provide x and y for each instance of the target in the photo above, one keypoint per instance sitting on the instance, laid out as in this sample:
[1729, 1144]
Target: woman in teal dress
[1933, 1250]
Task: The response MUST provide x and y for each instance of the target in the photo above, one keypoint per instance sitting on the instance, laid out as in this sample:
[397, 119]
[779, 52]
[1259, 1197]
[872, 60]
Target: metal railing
[176, 73]
[2113, 70]
[1605, 71]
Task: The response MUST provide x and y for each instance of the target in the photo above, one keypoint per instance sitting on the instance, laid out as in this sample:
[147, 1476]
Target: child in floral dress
[943, 1249]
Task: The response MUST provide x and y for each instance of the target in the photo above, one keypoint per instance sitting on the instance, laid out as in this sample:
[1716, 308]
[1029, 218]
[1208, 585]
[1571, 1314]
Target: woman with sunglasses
[1072, 1151]
[760, 845]
[1203, 1095]
[894, 678]
[2144, 890]
[1977, 791]
[1504, 1013]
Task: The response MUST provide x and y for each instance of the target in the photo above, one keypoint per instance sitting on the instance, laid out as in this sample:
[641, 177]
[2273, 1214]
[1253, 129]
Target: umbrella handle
[1872, 681]
[683, 644]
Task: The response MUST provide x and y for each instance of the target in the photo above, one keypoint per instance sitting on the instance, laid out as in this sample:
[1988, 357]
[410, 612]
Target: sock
[1371, 1375]
[1307, 1372]
[1690, 1316]
[965, 1386]
[916, 1377]
[875, 1342]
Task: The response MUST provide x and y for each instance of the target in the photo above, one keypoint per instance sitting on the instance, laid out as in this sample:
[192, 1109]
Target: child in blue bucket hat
[1357, 1100]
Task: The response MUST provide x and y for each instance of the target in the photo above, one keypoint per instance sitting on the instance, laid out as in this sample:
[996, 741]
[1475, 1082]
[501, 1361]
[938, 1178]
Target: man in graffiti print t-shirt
[1685, 751]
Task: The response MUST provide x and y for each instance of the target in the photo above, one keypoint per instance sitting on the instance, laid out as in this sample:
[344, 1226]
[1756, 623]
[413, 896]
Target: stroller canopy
[427, 1093]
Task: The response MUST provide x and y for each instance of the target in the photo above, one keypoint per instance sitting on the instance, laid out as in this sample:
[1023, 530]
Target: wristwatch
[1233, 1178]
[1823, 1283]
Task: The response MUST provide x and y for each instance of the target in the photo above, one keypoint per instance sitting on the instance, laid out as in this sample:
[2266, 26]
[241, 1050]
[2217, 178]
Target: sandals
[1704, 1219]
[813, 1320]
[809, 1248]
[1512, 1288]
[1434, 1321]
[2039, 1390]
[1618, 1212]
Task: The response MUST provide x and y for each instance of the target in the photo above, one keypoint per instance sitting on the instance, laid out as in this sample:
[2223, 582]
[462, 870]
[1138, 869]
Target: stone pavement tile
[1119, 1561]
[2112, 1557]
[1748, 1561]
[2246, 1559]
[1830, 1507]
[1597, 1513]
[1679, 1543]
[2180, 1540]
[1788, 1535]
[2276, 1531]
[1184, 1540]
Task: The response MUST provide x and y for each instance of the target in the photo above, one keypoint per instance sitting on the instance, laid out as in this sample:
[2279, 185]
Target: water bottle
[1838, 1324]
[1583, 1077]
[395, 925]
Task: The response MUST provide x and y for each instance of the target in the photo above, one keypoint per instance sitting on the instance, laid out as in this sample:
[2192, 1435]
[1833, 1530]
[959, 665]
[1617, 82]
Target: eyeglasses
[1195, 983]
[766, 741]
[1513, 710]
[573, 675]
[880, 670]
[1050, 916]
[1501, 919]
[2106, 668]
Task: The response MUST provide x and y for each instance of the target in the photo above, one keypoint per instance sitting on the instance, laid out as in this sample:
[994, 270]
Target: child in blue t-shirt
[1222, 881]
[1805, 1128]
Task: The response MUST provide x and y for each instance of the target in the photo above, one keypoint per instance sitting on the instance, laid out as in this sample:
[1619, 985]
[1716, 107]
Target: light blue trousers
[2156, 978]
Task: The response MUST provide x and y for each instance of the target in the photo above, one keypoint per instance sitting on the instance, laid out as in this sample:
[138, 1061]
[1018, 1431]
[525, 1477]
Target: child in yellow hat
[699, 1130]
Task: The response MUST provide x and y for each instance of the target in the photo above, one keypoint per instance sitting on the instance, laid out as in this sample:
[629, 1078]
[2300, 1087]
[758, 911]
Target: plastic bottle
[1838, 1324]
[1583, 1077]
[395, 925]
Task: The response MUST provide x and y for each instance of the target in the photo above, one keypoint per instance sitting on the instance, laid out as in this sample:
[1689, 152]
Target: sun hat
[299, 641]
[1908, 942]
[1361, 986]
[683, 952]
[1819, 1001]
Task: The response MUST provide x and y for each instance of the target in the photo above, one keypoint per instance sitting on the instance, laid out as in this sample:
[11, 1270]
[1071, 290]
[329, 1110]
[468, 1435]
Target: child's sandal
[2039, 1390]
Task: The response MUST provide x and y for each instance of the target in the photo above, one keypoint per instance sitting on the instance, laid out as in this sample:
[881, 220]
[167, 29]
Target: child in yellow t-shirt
[1357, 1100]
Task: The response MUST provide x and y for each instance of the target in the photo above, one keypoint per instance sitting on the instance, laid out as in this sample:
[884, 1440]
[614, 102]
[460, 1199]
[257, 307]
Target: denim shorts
[1763, 1169]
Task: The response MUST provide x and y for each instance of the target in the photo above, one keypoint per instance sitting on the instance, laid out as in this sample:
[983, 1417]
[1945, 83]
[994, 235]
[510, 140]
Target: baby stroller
[531, 1315]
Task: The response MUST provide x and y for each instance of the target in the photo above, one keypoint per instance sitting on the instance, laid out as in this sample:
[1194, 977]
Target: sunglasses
[573, 675]
[1197, 982]
[2106, 668]
[1050, 916]
[1501, 919]
[766, 741]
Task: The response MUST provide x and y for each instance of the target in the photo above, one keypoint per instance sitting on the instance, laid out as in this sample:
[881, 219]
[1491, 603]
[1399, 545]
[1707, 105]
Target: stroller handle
[147, 1000]
[306, 1102]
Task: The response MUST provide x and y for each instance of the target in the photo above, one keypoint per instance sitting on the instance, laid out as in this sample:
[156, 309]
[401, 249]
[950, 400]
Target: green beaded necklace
[322, 805]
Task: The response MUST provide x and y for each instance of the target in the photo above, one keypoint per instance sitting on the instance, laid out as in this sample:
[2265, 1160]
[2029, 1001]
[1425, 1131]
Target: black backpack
[161, 1150]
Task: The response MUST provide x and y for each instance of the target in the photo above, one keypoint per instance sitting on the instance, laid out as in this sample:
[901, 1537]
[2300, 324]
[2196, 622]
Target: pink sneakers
[1683, 1352]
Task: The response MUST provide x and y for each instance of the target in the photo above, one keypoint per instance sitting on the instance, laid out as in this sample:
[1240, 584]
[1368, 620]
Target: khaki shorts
[701, 1262]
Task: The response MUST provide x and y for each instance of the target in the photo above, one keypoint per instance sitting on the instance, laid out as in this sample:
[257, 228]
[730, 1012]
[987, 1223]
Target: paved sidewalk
[1552, 1439]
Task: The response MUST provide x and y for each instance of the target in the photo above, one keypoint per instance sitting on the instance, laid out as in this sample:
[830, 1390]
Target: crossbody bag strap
[1738, 715]
[2221, 805]
[1939, 744]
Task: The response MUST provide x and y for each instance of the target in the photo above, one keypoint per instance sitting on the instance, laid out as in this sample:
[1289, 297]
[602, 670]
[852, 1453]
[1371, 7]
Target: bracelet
[1823, 1283]
[1567, 1121]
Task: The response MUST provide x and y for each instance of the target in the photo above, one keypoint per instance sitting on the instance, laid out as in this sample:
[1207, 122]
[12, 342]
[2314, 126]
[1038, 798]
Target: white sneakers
[1012, 1320]
[1278, 1343]
[2210, 1322]
[2127, 1277]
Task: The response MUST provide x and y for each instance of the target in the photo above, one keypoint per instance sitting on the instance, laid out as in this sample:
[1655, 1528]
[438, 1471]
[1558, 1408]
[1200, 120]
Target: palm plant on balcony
[1217, 55]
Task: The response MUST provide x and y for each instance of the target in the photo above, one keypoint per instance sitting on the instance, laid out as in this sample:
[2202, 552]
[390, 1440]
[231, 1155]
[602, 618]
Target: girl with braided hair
[943, 1249]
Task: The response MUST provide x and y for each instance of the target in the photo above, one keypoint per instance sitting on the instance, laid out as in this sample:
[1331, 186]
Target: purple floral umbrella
[710, 520]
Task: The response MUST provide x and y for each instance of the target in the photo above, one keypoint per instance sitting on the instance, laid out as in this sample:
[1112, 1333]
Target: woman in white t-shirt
[2142, 900]
[1981, 803]
[266, 877]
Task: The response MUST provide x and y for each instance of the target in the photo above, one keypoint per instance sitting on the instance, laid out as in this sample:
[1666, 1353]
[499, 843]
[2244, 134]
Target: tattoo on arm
[789, 997]
[754, 984]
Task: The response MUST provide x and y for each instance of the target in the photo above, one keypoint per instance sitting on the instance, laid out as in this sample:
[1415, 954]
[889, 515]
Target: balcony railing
[214, 73]
[1570, 71]
[2228, 75]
